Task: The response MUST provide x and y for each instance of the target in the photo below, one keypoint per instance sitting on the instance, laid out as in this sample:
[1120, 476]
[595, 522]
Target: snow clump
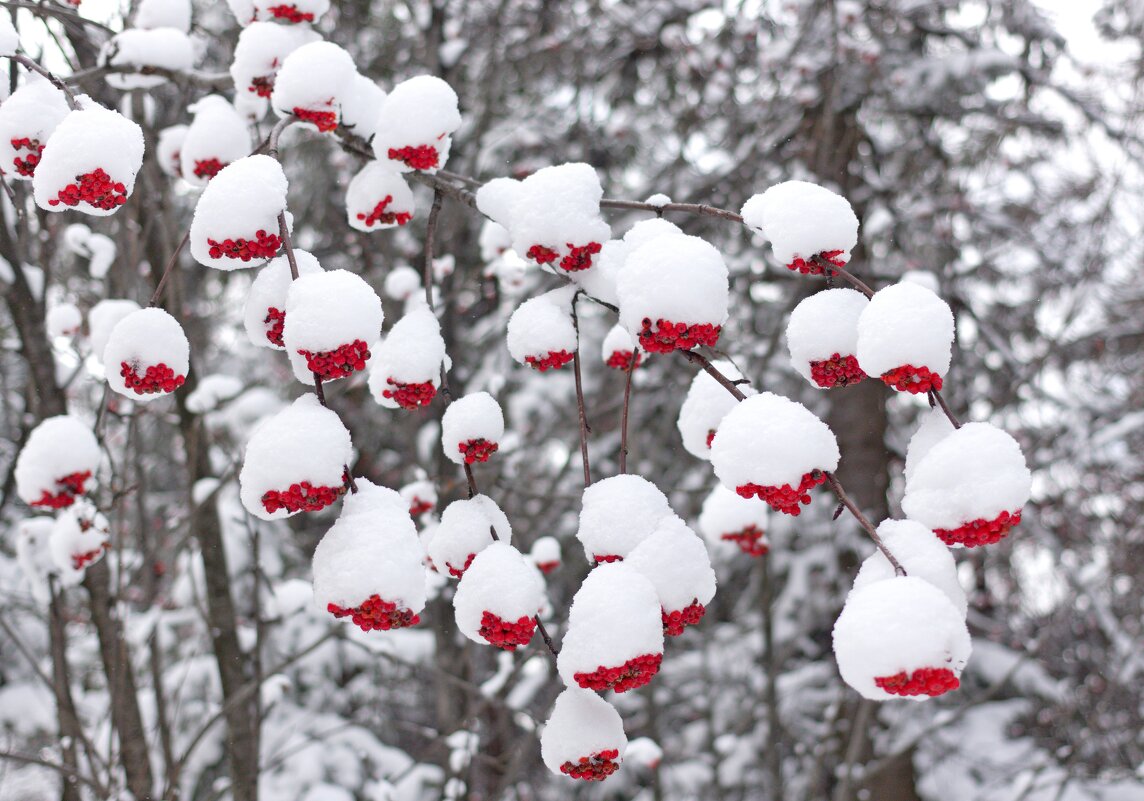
[407, 369]
[138, 49]
[472, 428]
[332, 319]
[498, 598]
[617, 514]
[540, 332]
[59, 459]
[675, 561]
[378, 198]
[804, 220]
[905, 336]
[312, 84]
[147, 355]
[920, 553]
[416, 123]
[217, 136]
[822, 337]
[465, 530]
[728, 520]
[584, 737]
[264, 315]
[27, 119]
[706, 404]
[236, 219]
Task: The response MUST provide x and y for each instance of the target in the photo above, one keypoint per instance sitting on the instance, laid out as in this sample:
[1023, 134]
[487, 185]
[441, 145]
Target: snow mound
[151, 14]
[147, 355]
[416, 123]
[822, 337]
[540, 332]
[312, 83]
[905, 335]
[407, 370]
[706, 404]
[619, 347]
[79, 537]
[63, 320]
[803, 220]
[472, 428]
[420, 496]
[262, 48]
[103, 318]
[675, 561]
[584, 737]
[27, 119]
[729, 521]
[617, 514]
[921, 554]
[402, 282]
[236, 219]
[498, 598]
[57, 463]
[933, 428]
[600, 282]
[140, 49]
[169, 150]
[217, 136]
[545, 554]
[378, 198]
[464, 532]
[332, 319]
[264, 315]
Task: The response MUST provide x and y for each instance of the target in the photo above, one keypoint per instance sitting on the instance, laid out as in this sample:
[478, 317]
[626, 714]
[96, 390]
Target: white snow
[325, 311]
[618, 513]
[418, 117]
[79, 537]
[140, 48]
[218, 136]
[378, 198]
[34, 556]
[63, 320]
[261, 49]
[412, 353]
[475, 416]
[501, 582]
[419, 494]
[933, 428]
[58, 447]
[545, 553]
[268, 291]
[802, 220]
[495, 200]
[725, 512]
[163, 14]
[361, 106]
[542, 325]
[494, 239]
[822, 326]
[905, 324]
[600, 281]
[582, 725]
[32, 112]
[168, 151]
[464, 532]
[618, 347]
[240, 204]
[211, 391]
[9, 38]
[921, 554]
[144, 339]
[706, 404]
[674, 559]
[402, 282]
[103, 318]
[314, 79]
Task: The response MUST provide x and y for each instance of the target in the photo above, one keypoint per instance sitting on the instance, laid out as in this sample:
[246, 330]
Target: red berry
[325, 121]
[262, 246]
[506, 634]
[622, 360]
[711, 436]
[542, 255]
[811, 267]
[26, 165]
[980, 531]
[374, 614]
[337, 363]
[547, 567]
[457, 573]
[837, 371]
[594, 768]
[477, 450]
[207, 168]
[410, 396]
[418, 507]
[749, 540]
[301, 497]
[422, 157]
[607, 557]
[553, 361]
[380, 215]
[924, 681]
[636, 672]
[290, 13]
[915, 380]
[666, 336]
[94, 188]
[675, 622]
[262, 85]
[155, 379]
[67, 488]
[275, 321]
[785, 498]
[579, 258]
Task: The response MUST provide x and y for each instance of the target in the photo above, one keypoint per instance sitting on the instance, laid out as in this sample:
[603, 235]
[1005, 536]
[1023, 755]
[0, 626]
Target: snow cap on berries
[905, 336]
[407, 368]
[494, 239]
[803, 220]
[218, 136]
[290, 11]
[236, 219]
[332, 319]
[600, 282]
[312, 83]
[27, 119]
[673, 293]
[34, 556]
[584, 736]
[264, 315]
[732, 523]
[103, 318]
[79, 537]
[147, 355]
[921, 554]
[402, 282]
[619, 347]
[419, 496]
[822, 337]
[169, 150]
[368, 566]
[137, 49]
[415, 127]
[901, 637]
[554, 217]
[774, 447]
[378, 198]
[464, 532]
[9, 38]
[63, 320]
[705, 406]
[545, 554]
[675, 561]
[295, 461]
[57, 463]
[495, 200]
[151, 14]
[261, 49]
[933, 428]
[540, 332]
[89, 162]
[472, 428]
[615, 631]
[361, 106]
[617, 514]
[498, 598]
[970, 486]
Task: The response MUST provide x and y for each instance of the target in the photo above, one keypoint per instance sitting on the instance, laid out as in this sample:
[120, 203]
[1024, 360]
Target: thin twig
[472, 481]
[284, 232]
[430, 234]
[863, 521]
[710, 369]
[935, 395]
[624, 415]
[584, 429]
[157, 295]
[833, 269]
[31, 64]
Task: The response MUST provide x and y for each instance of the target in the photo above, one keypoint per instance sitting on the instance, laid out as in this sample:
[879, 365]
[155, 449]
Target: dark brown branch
[863, 521]
[850, 278]
[936, 397]
[710, 369]
[584, 429]
[430, 235]
[157, 295]
[472, 482]
[624, 414]
[52, 78]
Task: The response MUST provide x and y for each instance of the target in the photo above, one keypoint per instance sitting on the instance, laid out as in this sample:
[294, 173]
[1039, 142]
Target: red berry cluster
[634, 673]
[547, 567]
[418, 507]
[785, 498]
[675, 622]
[553, 361]
[262, 85]
[380, 215]
[290, 14]
[207, 168]
[263, 246]
[68, 488]
[82, 560]
[749, 540]
[914, 380]
[622, 360]
[422, 157]
[607, 557]
[410, 396]
[711, 432]
[924, 681]
[26, 166]
[837, 371]
[94, 188]
[275, 321]
[667, 336]
[337, 363]
[542, 255]
[455, 573]
[325, 121]
[579, 258]
[593, 768]
[811, 267]
[980, 531]
[301, 497]
[157, 378]
[374, 614]
[505, 634]
[477, 450]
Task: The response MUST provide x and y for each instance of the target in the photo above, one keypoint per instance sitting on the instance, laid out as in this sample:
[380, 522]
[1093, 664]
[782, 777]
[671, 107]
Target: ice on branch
[804, 220]
[407, 369]
[312, 84]
[905, 336]
[63, 320]
[620, 348]
[970, 486]
[369, 565]
[217, 137]
[169, 150]
[57, 464]
[332, 319]
[262, 48]
[465, 530]
[378, 198]
[138, 50]
[822, 337]
[151, 14]
[361, 107]
[147, 355]
[901, 637]
[615, 632]
[921, 554]
[584, 737]
[933, 428]
[236, 219]
[27, 118]
[296, 461]
[673, 293]
[773, 448]
[90, 161]
[103, 318]
[617, 514]
[540, 332]
[498, 598]
[705, 406]
[545, 554]
[600, 282]
[730, 522]
[675, 561]
[79, 537]
[472, 428]
[416, 124]
[420, 497]
[264, 315]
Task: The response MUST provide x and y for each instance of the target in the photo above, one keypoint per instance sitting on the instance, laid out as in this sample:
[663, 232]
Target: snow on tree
[378, 198]
[584, 737]
[617, 514]
[218, 136]
[407, 369]
[933, 428]
[169, 150]
[27, 119]
[332, 319]
[901, 637]
[920, 553]
[264, 315]
[295, 461]
[822, 337]
[9, 38]
[57, 464]
[773, 448]
[729, 521]
[472, 428]
[619, 348]
[905, 336]
[151, 14]
[138, 51]
[804, 221]
[675, 561]
[63, 320]
[541, 333]
[299, 11]
[466, 528]
[545, 554]
[212, 391]
[498, 598]
[402, 283]
[147, 355]
[368, 566]
[420, 496]
[103, 318]
[706, 404]
[970, 486]
[361, 107]
[600, 282]
[34, 556]
[416, 125]
[312, 83]
[80, 536]
[236, 219]
[262, 48]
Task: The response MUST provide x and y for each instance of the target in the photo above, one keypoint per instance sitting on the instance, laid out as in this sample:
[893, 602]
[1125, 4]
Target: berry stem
[935, 396]
[170, 268]
[580, 397]
[863, 521]
[19, 58]
[710, 369]
[624, 415]
[472, 481]
[830, 268]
